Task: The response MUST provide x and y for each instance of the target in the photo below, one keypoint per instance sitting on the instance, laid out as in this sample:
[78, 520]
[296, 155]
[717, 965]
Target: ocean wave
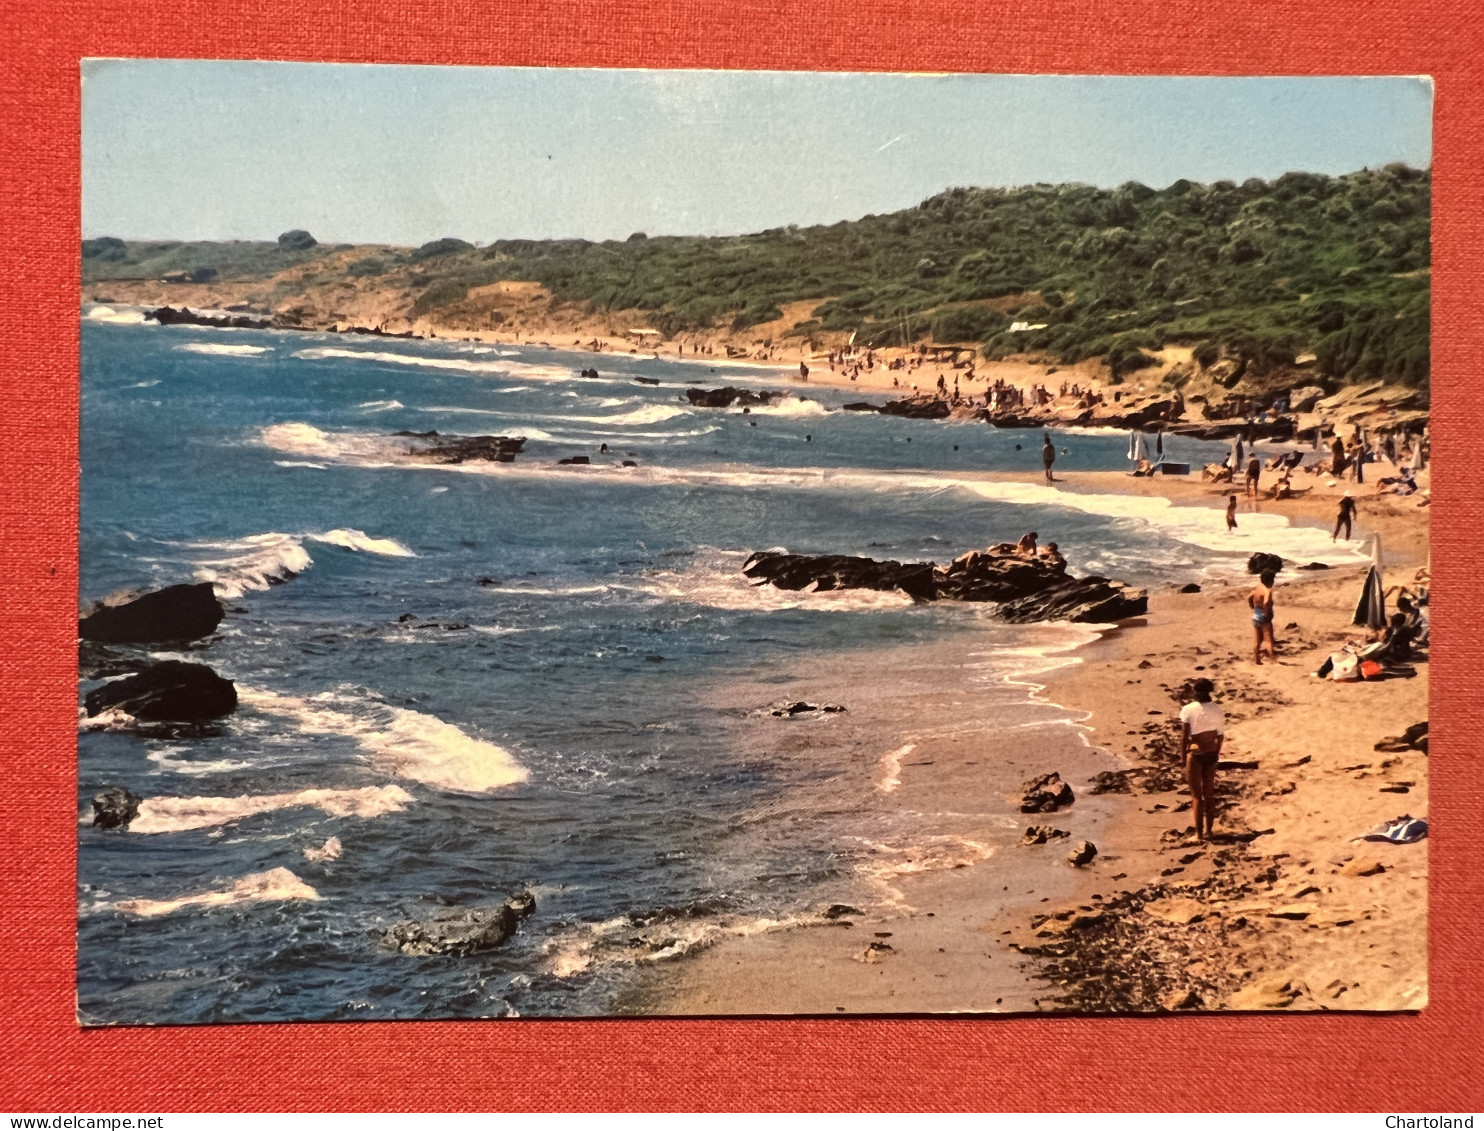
[495, 368]
[404, 743]
[359, 540]
[300, 463]
[168, 764]
[620, 941]
[788, 406]
[182, 814]
[262, 560]
[117, 315]
[274, 885]
[380, 406]
[251, 563]
[222, 349]
[889, 775]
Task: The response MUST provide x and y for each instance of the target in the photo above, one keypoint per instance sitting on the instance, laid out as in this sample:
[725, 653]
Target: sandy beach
[1285, 908]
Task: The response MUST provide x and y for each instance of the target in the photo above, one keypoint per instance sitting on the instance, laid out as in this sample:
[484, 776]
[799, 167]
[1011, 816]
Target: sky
[180, 149]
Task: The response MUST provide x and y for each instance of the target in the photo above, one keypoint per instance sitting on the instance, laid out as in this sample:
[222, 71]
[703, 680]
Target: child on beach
[1202, 734]
[1261, 602]
[1231, 513]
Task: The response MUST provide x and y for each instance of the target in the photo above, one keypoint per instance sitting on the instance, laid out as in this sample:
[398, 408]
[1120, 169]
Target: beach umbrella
[1370, 610]
[1159, 444]
[1133, 434]
[1416, 461]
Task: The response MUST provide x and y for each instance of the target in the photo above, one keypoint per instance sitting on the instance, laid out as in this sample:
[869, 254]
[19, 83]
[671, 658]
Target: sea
[458, 682]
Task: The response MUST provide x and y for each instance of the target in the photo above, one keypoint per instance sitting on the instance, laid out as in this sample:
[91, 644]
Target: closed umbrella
[1370, 610]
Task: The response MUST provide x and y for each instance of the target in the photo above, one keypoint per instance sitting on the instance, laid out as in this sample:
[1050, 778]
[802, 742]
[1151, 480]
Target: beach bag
[1346, 668]
[1369, 669]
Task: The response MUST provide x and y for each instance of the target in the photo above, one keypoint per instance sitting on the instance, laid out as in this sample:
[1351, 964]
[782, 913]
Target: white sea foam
[380, 406]
[181, 814]
[162, 759]
[300, 463]
[250, 563]
[404, 743]
[611, 941]
[118, 315]
[330, 850]
[889, 774]
[241, 565]
[145, 384]
[274, 885]
[519, 369]
[788, 406]
[223, 349]
[359, 540]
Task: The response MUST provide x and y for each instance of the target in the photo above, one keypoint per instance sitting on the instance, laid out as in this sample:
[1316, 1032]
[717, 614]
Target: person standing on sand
[1254, 472]
[1048, 457]
[1231, 513]
[1345, 517]
[1261, 602]
[1202, 734]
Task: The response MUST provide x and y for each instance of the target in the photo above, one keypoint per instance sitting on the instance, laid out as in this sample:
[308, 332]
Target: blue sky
[391, 154]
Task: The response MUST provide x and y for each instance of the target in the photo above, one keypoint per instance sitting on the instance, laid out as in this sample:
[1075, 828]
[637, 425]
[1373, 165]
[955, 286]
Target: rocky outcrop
[1028, 589]
[176, 613]
[1083, 852]
[115, 807]
[1040, 834]
[1085, 600]
[794, 710]
[461, 932]
[827, 572]
[185, 316]
[166, 691]
[918, 408]
[1045, 794]
[436, 448]
[727, 396]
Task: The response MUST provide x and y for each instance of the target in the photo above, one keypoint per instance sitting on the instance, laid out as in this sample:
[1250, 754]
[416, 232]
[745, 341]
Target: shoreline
[1282, 910]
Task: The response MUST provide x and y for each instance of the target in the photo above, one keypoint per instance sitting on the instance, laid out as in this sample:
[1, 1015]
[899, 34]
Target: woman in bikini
[1202, 734]
[1261, 602]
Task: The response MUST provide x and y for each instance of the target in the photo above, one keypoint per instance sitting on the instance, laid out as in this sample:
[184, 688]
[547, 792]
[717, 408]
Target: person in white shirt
[1202, 733]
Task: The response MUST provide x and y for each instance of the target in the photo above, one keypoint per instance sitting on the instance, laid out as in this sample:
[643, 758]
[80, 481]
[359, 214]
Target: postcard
[575, 543]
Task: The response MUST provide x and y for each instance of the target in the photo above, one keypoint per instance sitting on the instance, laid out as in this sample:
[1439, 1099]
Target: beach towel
[1399, 830]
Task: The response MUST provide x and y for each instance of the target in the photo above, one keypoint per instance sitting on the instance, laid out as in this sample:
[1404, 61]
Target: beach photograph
[564, 543]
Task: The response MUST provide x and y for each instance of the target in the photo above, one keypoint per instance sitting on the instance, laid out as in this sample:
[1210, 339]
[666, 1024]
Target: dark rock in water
[727, 396]
[1259, 562]
[992, 575]
[1082, 853]
[861, 406]
[179, 612]
[575, 459]
[436, 448]
[462, 932]
[487, 581]
[918, 408]
[1040, 834]
[630, 463]
[115, 807]
[647, 380]
[1314, 565]
[169, 690]
[1029, 588]
[1087, 600]
[1191, 588]
[590, 373]
[828, 572]
[1045, 794]
[185, 316]
[802, 708]
[839, 911]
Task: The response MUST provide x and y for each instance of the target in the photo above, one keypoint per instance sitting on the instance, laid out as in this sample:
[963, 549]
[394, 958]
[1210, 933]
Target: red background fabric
[1427, 1061]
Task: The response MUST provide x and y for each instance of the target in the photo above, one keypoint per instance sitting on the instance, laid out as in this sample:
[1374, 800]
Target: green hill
[1259, 272]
